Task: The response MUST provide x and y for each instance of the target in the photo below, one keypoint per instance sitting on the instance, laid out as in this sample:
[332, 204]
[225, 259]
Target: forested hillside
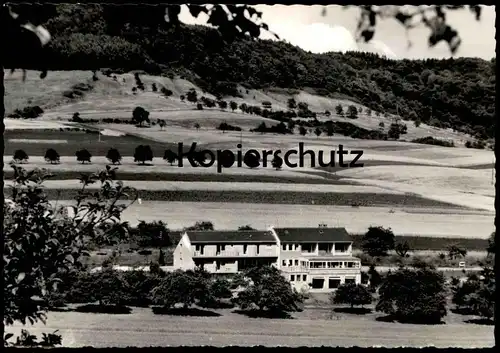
[458, 93]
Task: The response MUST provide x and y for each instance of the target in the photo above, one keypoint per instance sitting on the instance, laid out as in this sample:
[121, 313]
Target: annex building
[315, 259]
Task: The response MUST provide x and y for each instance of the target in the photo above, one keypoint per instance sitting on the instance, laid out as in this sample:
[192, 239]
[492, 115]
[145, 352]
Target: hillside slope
[458, 93]
[110, 98]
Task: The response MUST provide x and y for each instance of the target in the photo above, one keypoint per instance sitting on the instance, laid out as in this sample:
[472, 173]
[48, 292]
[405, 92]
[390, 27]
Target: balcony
[237, 253]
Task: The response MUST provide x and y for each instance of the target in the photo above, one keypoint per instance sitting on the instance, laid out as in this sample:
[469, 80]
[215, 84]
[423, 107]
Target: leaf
[20, 277]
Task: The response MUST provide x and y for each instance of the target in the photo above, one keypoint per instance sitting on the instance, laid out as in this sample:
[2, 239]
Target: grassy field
[76, 140]
[393, 167]
[272, 197]
[450, 223]
[312, 327]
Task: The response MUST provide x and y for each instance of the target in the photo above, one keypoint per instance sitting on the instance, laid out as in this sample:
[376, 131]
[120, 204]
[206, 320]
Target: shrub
[20, 156]
[413, 295]
[352, 294]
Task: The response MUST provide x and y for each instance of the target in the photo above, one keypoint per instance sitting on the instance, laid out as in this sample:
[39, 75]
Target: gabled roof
[231, 236]
[316, 235]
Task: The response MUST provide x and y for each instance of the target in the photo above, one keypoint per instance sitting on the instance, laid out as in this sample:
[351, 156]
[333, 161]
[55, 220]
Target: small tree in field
[201, 225]
[455, 251]
[414, 295]
[317, 131]
[114, 156]
[170, 156]
[352, 294]
[245, 227]
[162, 123]
[20, 156]
[378, 241]
[402, 248]
[277, 163]
[233, 105]
[140, 115]
[83, 156]
[339, 110]
[180, 287]
[143, 153]
[302, 131]
[352, 112]
[52, 156]
[269, 291]
[197, 126]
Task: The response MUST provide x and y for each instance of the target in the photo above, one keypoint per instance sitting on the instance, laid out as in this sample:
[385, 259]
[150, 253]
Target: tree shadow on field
[487, 322]
[414, 320]
[103, 309]
[264, 314]
[355, 311]
[160, 310]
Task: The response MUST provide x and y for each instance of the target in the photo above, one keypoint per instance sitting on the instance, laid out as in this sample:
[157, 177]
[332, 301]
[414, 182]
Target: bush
[413, 295]
[378, 241]
[227, 127]
[429, 140]
[20, 156]
[352, 294]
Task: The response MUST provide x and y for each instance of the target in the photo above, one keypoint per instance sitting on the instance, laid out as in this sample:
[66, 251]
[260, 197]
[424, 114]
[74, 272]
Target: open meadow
[312, 327]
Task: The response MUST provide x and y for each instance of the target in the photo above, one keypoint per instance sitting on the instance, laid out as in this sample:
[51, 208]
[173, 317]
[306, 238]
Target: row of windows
[321, 264]
[298, 278]
[295, 262]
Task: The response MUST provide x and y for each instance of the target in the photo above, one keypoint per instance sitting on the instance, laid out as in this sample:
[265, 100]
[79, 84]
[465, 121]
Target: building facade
[312, 259]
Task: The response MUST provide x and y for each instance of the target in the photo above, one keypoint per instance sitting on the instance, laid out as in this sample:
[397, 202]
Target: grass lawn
[312, 327]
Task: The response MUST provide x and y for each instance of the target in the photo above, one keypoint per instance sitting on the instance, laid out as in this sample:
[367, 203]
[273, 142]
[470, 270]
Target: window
[202, 247]
[333, 283]
[290, 247]
[258, 248]
[350, 264]
[290, 262]
[350, 281]
[304, 278]
[292, 278]
[197, 248]
[296, 262]
[223, 247]
[245, 246]
[284, 262]
[284, 247]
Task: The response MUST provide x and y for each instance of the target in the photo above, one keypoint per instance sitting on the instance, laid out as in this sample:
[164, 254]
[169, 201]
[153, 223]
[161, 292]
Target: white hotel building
[315, 259]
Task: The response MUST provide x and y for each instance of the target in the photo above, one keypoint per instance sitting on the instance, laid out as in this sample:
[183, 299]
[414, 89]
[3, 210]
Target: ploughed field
[312, 327]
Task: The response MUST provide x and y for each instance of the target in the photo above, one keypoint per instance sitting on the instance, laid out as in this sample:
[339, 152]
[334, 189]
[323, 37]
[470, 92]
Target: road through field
[142, 329]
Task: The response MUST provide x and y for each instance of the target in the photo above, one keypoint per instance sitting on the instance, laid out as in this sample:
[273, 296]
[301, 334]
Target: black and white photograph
[248, 175]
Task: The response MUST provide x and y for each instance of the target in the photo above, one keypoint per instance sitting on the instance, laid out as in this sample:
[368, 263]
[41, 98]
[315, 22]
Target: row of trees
[417, 295]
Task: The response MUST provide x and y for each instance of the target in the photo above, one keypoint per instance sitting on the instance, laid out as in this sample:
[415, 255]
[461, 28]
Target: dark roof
[317, 235]
[231, 236]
